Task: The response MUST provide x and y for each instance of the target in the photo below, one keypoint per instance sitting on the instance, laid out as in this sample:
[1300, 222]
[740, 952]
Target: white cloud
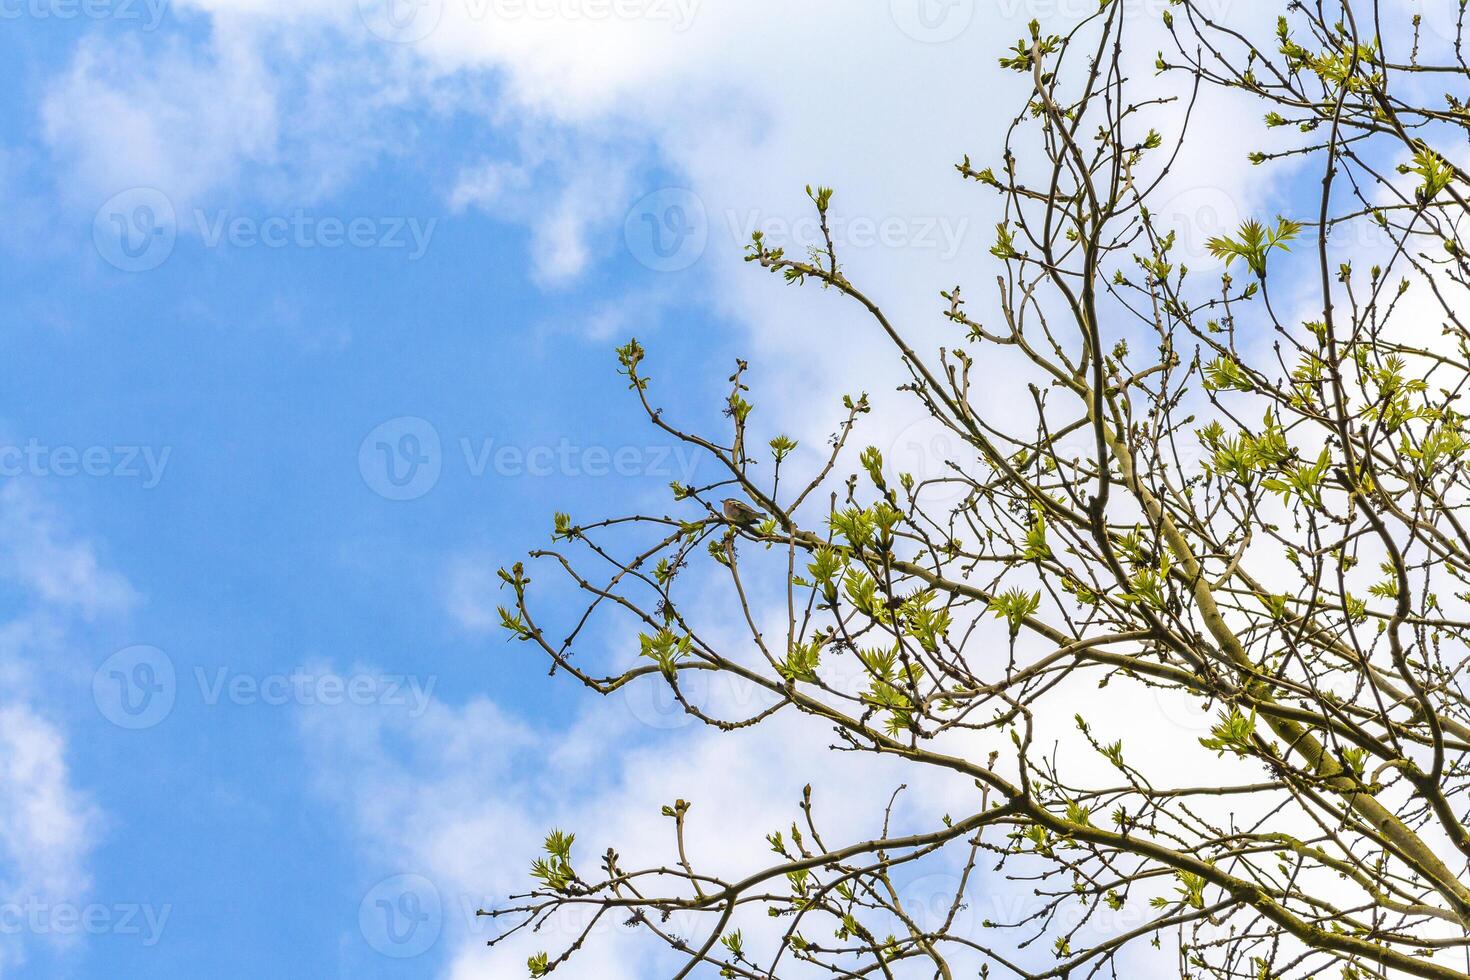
[45, 823]
[179, 120]
[48, 826]
[745, 116]
[465, 795]
[56, 568]
[471, 592]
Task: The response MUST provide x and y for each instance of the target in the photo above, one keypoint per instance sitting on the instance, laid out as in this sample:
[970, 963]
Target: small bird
[739, 512]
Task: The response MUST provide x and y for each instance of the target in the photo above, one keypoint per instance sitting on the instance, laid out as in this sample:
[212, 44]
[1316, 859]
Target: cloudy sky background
[250, 247]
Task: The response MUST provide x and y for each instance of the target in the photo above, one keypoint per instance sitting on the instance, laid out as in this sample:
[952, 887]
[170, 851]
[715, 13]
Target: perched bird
[739, 512]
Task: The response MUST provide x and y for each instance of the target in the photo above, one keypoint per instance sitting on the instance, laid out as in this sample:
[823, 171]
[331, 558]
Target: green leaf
[1254, 243]
[1014, 606]
[665, 648]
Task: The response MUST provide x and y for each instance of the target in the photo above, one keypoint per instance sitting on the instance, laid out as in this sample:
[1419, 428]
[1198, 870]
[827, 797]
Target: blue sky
[254, 256]
[238, 382]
